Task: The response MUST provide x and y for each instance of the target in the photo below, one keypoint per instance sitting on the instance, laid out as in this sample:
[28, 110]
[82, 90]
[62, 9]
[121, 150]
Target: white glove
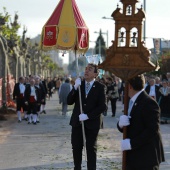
[77, 83]
[124, 121]
[83, 117]
[125, 145]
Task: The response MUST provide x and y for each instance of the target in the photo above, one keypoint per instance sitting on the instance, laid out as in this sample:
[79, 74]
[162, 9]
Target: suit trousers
[20, 104]
[91, 147]
[32, 108]
[156, 167]
[113, 105]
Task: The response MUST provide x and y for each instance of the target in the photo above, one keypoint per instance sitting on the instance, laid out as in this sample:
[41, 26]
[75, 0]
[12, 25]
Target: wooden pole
[126, 101]
[81, 110]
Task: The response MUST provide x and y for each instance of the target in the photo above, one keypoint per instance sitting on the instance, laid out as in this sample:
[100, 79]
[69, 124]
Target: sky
[34, 13]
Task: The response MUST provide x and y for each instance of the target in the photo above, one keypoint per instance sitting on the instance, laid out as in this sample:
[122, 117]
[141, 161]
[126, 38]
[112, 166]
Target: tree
[10, 29]
[100, 47]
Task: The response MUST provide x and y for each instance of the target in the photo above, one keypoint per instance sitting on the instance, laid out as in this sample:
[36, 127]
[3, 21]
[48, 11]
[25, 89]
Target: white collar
[91, 82]
[136, 95]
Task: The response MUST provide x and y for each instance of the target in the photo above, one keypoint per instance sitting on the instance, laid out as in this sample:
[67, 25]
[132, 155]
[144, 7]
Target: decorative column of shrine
[127, 57]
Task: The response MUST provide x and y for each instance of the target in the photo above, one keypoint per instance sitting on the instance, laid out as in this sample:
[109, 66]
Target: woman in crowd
[164, 102]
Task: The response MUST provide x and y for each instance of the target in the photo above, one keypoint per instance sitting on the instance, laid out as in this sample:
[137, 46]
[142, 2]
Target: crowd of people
[157, 87]
[143, 142]
[31, 93]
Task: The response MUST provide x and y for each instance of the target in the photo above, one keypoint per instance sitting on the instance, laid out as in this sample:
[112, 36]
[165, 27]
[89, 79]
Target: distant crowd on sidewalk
[30, 94]
[158, 87]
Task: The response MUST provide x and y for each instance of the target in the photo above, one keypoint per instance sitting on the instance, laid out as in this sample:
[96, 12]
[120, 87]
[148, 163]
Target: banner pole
[81, 110]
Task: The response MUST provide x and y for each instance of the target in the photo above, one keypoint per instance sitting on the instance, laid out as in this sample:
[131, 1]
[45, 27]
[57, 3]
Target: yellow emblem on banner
[66, 36]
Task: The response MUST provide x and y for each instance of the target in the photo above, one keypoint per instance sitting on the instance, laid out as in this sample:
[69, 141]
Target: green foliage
[100, 45]
[48, 62]
[164, 64]
[10, 29]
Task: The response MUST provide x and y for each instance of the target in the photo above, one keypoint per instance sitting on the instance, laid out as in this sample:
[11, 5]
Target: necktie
[130, 106]
[87, 88]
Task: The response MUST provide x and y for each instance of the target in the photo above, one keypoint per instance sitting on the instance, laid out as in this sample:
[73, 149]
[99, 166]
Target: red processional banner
[50, 36]
[83, 38]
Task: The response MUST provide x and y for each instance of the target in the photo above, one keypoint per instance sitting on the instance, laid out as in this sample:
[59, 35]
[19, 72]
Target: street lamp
[144, 27]
[106, 33]
[107, 18]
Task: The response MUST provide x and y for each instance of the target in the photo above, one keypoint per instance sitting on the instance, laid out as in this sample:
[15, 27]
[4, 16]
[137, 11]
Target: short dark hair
[21, 78]
[96, 70]
[67, 80]
[137, 82]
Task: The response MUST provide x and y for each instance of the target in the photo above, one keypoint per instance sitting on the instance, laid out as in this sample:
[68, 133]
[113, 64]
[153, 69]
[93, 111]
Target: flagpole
[81, 110]
[82, 123]
[126, 100]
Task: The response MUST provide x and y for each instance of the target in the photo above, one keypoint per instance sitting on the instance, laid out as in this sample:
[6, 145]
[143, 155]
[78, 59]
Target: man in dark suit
[143, 142]
[153, 90]
[42, 95]
[32, 99]
[93, 105]
[43, 103]
[18, 95]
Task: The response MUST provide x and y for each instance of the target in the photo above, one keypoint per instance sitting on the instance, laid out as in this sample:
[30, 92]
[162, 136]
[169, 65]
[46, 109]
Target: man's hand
[83, 117]
[77, 83]
[125, 145]
[124, 121]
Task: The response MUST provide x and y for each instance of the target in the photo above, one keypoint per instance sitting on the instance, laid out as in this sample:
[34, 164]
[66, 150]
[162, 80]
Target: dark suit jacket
[44, 85]
[28, 92]
[16, 91]
[42, 92]
[157, 93]
[144, 133]
[94, 105]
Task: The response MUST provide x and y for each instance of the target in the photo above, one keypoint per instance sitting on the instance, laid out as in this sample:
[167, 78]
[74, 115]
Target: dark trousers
[91, 147]
[156, 167]
[32, 108]
[20, 105]
[113, 106]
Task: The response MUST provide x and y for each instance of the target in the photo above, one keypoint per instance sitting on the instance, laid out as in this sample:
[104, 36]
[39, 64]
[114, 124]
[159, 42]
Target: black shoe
[166, 122]
[38, 121]
[19, 121]
[44, 111]
[113, 115]
[26, 119]
[34, 123]
[162, 122]
[29, 122]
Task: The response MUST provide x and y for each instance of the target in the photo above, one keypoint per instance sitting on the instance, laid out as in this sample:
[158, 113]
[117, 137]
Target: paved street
[46, 146]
